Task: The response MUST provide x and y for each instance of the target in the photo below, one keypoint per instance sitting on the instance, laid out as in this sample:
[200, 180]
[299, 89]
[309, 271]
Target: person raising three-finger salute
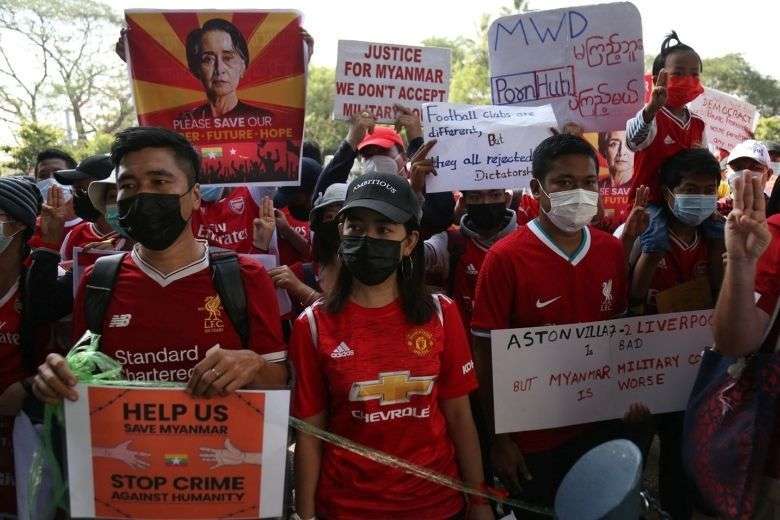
[165, 320]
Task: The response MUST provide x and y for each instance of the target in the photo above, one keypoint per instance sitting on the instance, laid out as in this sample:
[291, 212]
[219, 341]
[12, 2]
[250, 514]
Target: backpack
[225, 272]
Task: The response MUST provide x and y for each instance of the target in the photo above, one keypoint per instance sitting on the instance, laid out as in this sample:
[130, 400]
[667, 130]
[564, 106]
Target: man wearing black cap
[20, 203]
[94, 227]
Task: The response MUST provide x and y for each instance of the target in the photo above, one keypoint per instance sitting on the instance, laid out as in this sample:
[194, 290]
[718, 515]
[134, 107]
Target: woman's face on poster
[619, 158]
[221, 65]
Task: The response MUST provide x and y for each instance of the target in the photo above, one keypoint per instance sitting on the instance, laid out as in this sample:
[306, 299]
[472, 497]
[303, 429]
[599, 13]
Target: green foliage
[768, 129]
[320, 127]
[32, 138]
[732, 74]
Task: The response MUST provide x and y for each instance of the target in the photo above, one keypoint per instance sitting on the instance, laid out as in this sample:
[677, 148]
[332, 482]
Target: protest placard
[372, 77]
[83, 259]
[233, 83]
[482, 147]
[729, 120]
[559, 375]
[153, 453]
[282, 297]
[587, 62]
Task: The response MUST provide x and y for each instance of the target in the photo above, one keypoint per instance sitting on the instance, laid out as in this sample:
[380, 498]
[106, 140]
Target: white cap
[97, 191]
[752, 149]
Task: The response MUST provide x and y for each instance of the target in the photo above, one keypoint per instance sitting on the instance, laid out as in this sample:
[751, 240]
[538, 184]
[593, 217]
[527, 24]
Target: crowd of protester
[394, 291]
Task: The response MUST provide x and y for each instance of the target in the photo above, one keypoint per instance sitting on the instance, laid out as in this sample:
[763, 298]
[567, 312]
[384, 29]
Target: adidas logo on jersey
[668, 140]
[119, 320]
[471, 270]
[342, 351]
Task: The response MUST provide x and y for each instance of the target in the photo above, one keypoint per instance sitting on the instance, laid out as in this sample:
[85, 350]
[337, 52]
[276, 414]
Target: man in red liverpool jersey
[386, 364]
[165, 320]
[554, 270]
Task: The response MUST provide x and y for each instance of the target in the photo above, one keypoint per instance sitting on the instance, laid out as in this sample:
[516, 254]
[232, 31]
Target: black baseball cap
[95, 167]
[384, 193]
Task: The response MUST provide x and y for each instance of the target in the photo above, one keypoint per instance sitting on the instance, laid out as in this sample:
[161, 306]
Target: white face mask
[380, 164]
[775, 168]
[45, 185]
[572, 210]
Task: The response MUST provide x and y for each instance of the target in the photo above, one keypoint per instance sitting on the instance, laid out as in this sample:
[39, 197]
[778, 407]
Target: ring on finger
[216, 373]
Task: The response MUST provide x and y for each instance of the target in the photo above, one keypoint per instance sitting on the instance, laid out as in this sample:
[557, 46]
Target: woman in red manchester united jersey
[386, 364]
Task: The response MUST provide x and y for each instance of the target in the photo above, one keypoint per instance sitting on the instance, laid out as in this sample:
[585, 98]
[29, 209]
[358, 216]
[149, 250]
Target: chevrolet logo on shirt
[392, 388]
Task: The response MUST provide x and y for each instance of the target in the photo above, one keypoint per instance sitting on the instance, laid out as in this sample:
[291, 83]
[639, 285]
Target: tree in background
[319, 126]
[32, 138]
[73, 44]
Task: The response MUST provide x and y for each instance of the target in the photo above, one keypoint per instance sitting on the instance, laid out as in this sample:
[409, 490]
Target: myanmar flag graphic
[176, 459]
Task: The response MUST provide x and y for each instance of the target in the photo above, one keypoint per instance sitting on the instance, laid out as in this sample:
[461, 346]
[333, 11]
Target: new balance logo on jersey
[119, 320]
[342, 351]
[471, 270]
[668, 140]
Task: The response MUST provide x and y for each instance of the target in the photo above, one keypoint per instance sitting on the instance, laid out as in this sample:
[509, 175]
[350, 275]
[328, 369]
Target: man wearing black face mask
[94, 227]
[164, 310]
[453, 257]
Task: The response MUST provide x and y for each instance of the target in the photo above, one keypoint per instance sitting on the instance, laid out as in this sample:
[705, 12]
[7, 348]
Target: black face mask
[83, 207]
[326, 241]
[299, 211]
[486, 216]
[370, 260]
[152, 219]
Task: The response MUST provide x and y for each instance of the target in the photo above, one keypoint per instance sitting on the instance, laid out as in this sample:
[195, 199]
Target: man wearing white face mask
[554, 270]
[749, 155]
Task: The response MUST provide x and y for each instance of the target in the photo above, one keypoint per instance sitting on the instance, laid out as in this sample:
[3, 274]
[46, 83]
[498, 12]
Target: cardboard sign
[587, 62]
[547, 377]
[232, 83]
[151, 453]
[372, 77]
[729, 120]
[483, 147]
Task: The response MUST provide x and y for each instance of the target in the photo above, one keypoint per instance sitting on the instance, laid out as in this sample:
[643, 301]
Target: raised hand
[637, 220]
[308, 39]
[409, 121]
[360, 125]
[747, 234]
[119, 47]
[421, 167]
[264, 225]
[659, 94]
[54, 213]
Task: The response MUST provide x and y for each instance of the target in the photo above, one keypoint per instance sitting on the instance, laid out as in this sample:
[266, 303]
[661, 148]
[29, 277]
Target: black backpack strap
[456, 246]
[309, 278]
[226, 274]
[99, 287]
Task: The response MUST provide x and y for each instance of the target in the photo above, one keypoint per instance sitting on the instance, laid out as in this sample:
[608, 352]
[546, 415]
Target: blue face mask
[694, 209]
[112, 219]
[211, 193]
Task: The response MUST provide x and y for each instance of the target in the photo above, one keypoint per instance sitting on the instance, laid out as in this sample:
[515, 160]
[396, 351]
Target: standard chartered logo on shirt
[154, 363]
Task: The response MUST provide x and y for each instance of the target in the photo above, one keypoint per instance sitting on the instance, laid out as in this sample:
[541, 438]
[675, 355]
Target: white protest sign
[373, 77]
[559, 375]
[483, 147]
[586, 61]
[269, 262]
[729, 120]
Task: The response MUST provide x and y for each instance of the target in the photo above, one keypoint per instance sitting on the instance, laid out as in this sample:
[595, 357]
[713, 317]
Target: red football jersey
[682, 263]
[380, 379]
[667, 137]
[227, 222]
[527, 281]
[768, 270]
[159, 327]
[464, 282]
[69, 226]
[81, 235]
[288, 255]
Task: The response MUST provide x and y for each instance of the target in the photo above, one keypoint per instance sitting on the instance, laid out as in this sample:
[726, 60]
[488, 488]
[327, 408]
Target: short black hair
[666, 49]
[555, 146]
[55, 153]
[686, 162]
[311, 149]
[139, 137]
[194, 42]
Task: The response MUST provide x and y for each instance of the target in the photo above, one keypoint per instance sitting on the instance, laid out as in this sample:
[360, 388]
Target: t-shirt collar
[545, 239]
[166, 279]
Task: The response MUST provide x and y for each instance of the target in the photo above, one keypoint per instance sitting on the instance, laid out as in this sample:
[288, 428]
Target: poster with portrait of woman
[233, 83]
[616, 170]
